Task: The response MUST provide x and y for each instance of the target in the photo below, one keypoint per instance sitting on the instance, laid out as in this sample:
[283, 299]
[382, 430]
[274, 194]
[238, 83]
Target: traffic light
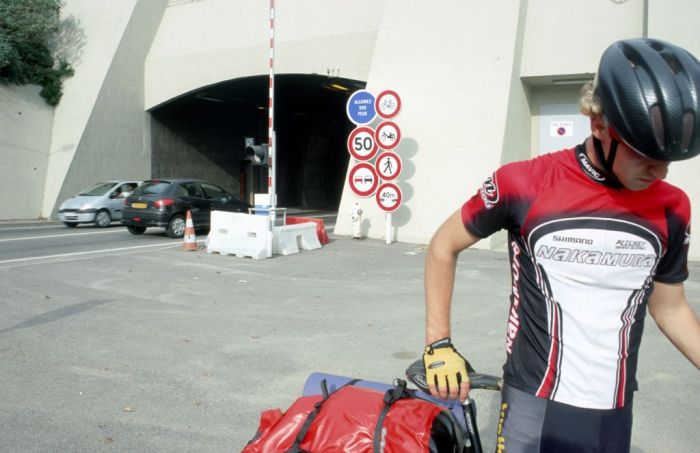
[259, 154]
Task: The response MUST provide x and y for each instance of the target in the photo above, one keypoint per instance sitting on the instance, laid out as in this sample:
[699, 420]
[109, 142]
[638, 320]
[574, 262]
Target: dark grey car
[164, 203]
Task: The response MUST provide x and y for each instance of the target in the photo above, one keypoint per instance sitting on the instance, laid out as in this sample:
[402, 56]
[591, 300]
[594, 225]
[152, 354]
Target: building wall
[204, 42]
[100, 129]
[567, 37]
[25, 135]
[454, 79]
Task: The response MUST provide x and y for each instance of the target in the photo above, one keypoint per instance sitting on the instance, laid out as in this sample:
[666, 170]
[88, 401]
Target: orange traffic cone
[190, 242]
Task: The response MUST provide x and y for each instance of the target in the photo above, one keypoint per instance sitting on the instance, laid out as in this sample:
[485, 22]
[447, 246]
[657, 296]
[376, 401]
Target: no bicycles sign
[388, 104]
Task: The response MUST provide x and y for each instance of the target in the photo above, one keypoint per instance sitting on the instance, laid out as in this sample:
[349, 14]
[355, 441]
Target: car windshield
[97, 190]
[153, 188]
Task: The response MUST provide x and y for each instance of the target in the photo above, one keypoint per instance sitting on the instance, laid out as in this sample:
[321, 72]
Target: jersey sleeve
[673, 267]
[496, 204]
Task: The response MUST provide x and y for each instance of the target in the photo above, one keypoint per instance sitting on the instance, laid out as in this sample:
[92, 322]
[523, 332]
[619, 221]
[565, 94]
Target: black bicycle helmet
[650, 94]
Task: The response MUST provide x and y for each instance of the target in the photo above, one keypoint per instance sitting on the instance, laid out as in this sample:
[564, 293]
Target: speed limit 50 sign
[362, 144]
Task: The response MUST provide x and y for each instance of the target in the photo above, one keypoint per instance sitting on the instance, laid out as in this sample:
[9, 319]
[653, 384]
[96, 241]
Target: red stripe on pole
[270, 132]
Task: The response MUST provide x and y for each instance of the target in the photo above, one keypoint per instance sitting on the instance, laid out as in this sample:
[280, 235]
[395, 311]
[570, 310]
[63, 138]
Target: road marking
[60, 235]
[27, 227]
[62, 255]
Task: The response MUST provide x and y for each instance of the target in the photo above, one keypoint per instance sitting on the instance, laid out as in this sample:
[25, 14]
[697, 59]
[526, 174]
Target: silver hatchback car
[100, 204]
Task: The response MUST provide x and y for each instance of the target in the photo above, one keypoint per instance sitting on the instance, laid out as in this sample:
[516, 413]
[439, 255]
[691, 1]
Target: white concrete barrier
[244, 235]
[289, 239]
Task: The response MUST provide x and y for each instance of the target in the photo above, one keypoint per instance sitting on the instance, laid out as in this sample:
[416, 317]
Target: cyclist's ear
[598, 128]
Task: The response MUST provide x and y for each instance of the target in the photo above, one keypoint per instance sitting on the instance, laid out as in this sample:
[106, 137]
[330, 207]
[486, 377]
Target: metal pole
[387, 231]
[272, 164]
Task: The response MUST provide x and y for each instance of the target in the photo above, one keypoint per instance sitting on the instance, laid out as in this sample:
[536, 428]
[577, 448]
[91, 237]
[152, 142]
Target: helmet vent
[657, 124]
[672, 62]
[688, 125]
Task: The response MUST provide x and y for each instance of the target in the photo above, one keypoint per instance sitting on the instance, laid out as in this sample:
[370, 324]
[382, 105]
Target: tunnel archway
[204, 134]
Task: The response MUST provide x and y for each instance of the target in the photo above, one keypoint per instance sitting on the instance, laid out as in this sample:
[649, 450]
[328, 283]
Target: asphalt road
[111, 342]
[25, 243]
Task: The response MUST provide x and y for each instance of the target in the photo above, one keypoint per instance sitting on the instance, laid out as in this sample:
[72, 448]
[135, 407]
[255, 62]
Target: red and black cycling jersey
[584, 256]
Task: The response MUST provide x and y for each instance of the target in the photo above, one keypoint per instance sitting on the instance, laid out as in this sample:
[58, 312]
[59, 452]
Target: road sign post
[364, 144]
[388, 198]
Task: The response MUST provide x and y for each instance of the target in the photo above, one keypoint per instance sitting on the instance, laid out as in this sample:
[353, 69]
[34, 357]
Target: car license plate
[139, 205]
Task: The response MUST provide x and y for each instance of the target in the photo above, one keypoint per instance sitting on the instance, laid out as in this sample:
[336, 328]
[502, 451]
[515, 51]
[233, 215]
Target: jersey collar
[593, 172]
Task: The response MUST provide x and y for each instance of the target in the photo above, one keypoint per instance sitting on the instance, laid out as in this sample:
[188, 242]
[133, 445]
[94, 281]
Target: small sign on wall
[561, 129]
[561, 126]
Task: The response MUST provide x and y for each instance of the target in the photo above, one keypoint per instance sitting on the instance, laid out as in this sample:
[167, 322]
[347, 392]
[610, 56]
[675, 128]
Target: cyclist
[594, 237]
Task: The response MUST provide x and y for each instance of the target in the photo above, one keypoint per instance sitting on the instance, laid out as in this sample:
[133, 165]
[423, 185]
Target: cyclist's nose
[659, 169]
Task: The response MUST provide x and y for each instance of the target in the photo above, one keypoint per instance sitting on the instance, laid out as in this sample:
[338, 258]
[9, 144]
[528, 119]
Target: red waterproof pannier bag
[358, 420]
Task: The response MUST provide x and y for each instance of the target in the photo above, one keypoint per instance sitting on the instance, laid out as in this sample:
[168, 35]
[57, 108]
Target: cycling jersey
[584, 255]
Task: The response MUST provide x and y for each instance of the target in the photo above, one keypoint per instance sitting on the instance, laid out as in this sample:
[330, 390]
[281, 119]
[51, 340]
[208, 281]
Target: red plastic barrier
[320, 227]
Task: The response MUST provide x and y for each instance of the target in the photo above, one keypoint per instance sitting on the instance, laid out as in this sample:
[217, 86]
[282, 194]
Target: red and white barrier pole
[272, 164]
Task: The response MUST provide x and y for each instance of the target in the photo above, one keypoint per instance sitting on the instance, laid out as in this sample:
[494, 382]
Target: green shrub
[27, 29]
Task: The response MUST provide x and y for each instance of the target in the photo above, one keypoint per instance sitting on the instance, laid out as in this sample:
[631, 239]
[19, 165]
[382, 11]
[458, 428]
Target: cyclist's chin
[638, 184]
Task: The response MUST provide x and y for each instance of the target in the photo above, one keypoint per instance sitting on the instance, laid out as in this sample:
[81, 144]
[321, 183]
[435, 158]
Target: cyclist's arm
[440, 264]
[676, 319]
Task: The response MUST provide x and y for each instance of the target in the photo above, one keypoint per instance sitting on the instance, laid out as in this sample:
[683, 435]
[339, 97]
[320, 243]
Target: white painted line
[27, 227]
[60, 235]
[34, 258]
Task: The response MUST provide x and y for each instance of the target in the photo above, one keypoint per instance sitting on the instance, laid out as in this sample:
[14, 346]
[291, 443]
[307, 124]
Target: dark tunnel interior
[203, 134]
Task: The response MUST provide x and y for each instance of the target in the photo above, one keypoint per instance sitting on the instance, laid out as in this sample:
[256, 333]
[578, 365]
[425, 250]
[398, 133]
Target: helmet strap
[608, 162]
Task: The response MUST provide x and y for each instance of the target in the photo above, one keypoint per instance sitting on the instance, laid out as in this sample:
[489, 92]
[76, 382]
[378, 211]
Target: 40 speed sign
[361, 143]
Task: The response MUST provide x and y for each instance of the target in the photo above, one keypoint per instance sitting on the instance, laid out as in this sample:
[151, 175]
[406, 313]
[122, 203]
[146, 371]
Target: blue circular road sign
[360, 107]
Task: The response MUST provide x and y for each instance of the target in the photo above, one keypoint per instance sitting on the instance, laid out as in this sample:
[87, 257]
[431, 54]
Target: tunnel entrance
[204, 134]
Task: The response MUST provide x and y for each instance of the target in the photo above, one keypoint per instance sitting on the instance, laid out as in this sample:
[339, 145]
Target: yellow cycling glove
[444, 366]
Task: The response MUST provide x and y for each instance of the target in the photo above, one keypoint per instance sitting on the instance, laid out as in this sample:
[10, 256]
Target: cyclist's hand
[446, 371]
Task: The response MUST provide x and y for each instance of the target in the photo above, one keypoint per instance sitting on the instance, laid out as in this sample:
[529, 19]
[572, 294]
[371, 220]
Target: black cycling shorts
[529, 424]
